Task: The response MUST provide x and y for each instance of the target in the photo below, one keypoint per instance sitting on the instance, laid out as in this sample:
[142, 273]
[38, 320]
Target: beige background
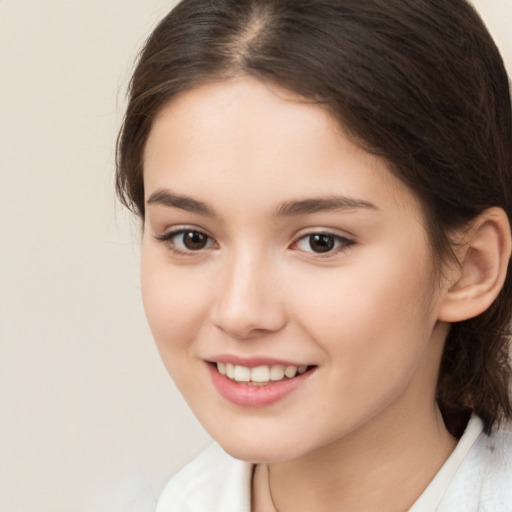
[89, 420]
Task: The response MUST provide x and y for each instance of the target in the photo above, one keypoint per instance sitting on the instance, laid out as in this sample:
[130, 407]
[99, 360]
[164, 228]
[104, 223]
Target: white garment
[477, 477]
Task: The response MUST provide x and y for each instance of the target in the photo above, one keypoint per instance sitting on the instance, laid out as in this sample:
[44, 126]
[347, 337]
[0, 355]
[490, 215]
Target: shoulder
[213, 482]
[483, 482]
[496, 489]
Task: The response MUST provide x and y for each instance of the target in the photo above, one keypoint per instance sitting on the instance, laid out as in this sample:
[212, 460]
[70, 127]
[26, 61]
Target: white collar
[433, 494]
[216, 482]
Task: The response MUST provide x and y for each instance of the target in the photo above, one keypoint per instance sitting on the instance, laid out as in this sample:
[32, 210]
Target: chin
[256, 453]
[261, 446]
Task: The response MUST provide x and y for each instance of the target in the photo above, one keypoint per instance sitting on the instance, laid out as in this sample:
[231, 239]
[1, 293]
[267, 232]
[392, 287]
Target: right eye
[186, 241]
[323, 243]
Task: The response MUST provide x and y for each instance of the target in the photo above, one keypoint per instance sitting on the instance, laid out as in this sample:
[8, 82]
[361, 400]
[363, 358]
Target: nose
[248, 303]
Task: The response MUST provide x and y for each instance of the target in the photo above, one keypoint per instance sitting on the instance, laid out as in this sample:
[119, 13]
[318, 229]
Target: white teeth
[222, 368]
[242, 374]
[277, 372]
[290, 371]
[259, 374]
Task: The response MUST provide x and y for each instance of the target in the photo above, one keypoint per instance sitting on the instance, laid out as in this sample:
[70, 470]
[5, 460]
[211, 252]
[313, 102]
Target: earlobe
[484, 254]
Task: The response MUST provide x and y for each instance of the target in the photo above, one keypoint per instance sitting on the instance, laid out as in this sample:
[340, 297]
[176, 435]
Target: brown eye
[194, 240]
[322, 242]
[186, 241]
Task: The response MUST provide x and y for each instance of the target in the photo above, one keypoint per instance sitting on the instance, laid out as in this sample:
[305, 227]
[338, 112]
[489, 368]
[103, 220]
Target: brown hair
[418, 82]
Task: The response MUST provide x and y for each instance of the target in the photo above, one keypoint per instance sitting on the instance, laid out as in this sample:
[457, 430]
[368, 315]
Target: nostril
[248, 303]
[248, 324]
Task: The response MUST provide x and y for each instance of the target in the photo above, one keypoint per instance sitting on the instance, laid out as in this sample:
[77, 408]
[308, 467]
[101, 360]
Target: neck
[381, 467]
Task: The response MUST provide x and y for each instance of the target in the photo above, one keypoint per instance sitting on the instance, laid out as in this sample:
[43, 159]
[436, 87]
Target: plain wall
[89, 419]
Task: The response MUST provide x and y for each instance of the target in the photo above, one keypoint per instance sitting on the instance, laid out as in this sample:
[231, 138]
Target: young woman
[325, 195]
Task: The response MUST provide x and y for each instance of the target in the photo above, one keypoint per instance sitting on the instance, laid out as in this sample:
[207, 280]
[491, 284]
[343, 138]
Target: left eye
[321, 243]
[192, 240]
[187, 240]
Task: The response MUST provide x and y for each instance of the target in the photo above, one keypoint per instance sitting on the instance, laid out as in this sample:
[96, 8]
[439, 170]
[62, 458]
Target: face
[286, 274]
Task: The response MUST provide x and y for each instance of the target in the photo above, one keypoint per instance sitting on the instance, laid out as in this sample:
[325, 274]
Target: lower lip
[254, 396]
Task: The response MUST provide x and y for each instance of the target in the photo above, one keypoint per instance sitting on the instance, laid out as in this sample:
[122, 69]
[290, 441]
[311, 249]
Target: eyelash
[340, 243]
[168, 240]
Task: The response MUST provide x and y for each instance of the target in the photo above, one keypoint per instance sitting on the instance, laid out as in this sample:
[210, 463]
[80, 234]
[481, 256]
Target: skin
[366, 314]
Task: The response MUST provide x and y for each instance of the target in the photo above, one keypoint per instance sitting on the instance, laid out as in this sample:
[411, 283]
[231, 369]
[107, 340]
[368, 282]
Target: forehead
[241, 140]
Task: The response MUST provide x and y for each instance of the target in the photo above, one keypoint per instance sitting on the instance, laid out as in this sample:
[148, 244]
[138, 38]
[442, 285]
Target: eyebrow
[321, 204]
[287, 209]
[167, 198]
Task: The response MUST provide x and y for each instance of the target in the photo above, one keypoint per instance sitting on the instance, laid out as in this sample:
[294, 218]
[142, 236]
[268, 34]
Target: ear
[483, 256]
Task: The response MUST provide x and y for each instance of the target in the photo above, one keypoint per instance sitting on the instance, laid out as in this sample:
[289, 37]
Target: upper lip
[253, 361]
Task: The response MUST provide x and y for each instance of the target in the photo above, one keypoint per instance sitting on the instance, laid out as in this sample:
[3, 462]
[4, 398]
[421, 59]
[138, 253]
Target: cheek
[372, 317]
[174, 301]
[175, 306]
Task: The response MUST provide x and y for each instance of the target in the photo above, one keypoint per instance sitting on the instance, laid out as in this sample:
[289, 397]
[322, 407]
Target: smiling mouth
[260, 375]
